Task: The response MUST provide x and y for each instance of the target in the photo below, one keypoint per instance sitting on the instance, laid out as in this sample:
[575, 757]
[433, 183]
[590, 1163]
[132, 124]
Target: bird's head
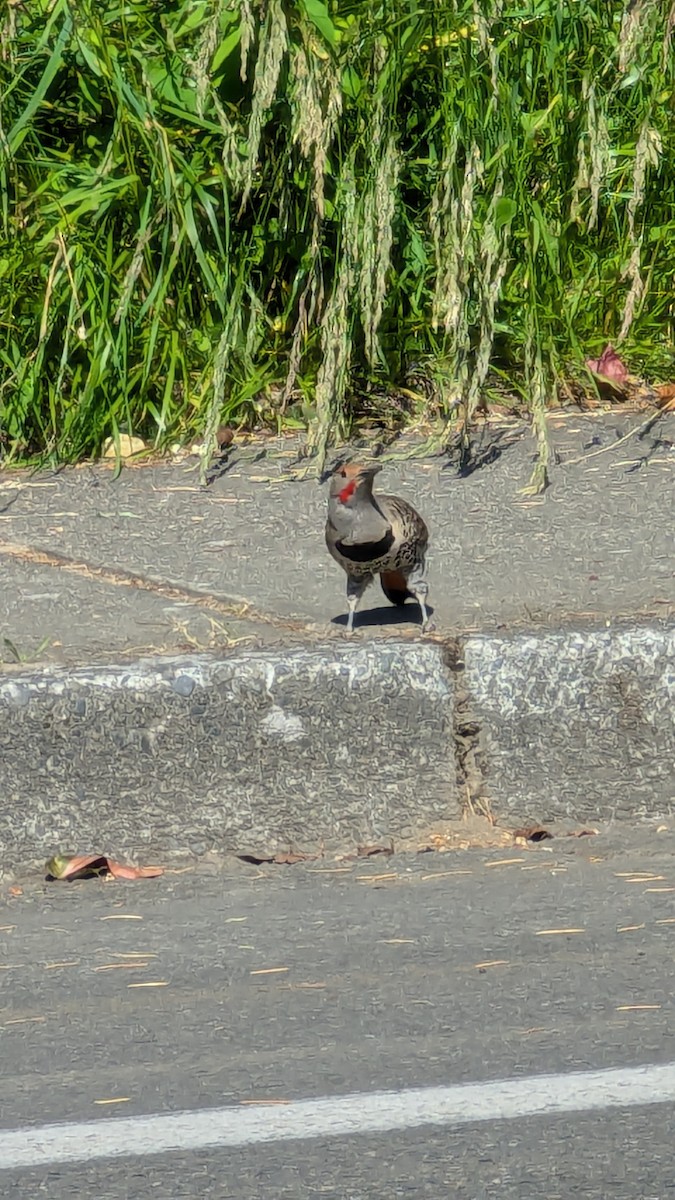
[353, 481]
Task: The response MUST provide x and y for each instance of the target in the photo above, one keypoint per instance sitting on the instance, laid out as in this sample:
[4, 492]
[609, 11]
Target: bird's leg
[419, 587]
[420, 598]
[355, 589]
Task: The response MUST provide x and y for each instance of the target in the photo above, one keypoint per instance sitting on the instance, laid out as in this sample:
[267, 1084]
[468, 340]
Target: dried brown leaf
[283, 858]
[91, 866]
[224, 436]
[371, 851]
[666, 394]
[288, 857]
[121, 871]
[532, 833]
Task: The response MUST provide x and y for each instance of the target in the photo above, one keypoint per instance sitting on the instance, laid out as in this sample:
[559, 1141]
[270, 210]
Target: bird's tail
[395, 587]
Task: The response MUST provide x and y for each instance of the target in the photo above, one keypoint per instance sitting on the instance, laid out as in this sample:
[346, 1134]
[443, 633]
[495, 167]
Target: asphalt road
[325, 981]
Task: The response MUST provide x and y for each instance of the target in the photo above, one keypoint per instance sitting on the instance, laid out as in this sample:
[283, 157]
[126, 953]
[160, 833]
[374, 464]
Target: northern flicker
[375, 535]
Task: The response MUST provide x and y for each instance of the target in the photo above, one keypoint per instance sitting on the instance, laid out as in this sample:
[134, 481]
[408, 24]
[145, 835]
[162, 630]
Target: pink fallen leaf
[88, 866]
[609, 366]
[121, 871]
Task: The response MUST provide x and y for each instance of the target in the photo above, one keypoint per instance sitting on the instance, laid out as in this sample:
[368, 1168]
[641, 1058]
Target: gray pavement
[598, 545]
[175, 670]
[625, 1155]
[321, 980]
[54, 615]
[183, 685]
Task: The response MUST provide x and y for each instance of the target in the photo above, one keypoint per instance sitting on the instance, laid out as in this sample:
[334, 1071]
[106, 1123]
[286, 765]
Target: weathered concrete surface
[69, 618]
[342, 743]
[559, 604]
[578, 723]
[247, 751]
[599, 544]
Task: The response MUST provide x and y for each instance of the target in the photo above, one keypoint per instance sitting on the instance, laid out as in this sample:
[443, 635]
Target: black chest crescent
[365, 552]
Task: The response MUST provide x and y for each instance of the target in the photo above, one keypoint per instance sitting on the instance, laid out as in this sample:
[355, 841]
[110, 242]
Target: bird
[376, 535]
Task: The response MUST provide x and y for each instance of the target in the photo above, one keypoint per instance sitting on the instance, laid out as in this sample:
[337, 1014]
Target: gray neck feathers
[362, 521]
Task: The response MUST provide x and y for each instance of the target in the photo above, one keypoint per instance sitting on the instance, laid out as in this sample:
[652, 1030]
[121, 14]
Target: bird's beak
[371, 471]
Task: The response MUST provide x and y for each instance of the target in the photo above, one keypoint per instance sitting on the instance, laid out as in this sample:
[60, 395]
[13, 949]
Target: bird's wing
[399, 513]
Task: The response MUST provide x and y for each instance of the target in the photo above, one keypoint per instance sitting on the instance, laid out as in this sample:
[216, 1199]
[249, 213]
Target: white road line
[341, 1116]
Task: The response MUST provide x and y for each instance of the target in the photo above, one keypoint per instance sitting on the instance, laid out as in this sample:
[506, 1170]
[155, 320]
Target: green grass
[232, 210]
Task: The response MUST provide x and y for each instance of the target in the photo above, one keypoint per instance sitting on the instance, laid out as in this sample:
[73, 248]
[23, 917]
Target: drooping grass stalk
[213, 209]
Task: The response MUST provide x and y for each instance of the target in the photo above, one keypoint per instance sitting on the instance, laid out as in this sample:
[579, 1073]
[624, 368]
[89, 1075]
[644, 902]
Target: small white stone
[285, 726]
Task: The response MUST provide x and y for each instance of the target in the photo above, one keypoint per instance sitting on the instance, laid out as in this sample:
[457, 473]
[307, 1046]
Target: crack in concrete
[119, 577]
[467, 737]
[228, 606]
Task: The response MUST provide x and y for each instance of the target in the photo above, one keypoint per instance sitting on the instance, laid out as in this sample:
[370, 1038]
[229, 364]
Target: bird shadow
[656, 444]
[12, 500]
[385, 614]
[226, 460]
[466, 456]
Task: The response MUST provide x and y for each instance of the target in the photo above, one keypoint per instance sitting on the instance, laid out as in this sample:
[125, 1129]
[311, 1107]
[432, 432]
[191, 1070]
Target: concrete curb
[263, 748]
[334, 743]
[577, 724]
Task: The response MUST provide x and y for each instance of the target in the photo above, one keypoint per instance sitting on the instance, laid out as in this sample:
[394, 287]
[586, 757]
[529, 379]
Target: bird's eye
[343, 474]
